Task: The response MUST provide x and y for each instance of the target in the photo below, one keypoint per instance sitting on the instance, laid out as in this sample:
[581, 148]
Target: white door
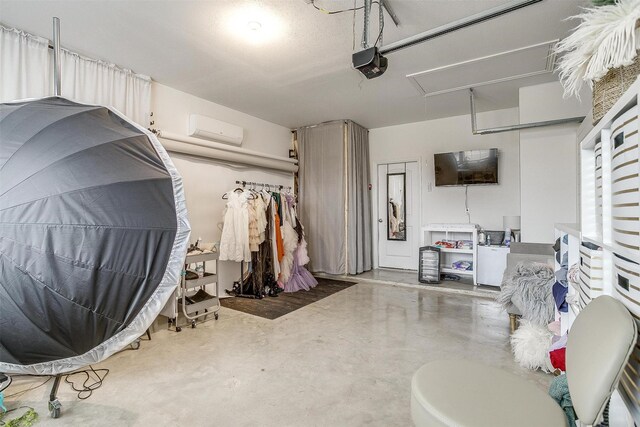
[398, 215]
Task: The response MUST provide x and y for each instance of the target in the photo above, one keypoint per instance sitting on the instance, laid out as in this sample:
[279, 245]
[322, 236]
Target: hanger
[225, 196]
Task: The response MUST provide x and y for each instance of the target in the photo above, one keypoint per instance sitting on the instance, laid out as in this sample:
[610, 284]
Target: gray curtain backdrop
[321, 195]
[323, 177]
[359, 229]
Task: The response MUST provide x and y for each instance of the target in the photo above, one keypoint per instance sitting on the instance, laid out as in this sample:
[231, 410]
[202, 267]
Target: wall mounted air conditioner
[215, 130]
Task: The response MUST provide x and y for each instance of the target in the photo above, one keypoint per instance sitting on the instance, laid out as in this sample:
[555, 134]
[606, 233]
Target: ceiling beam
[458, 25]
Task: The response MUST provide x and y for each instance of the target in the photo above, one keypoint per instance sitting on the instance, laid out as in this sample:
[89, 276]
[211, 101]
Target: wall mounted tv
[474, 167]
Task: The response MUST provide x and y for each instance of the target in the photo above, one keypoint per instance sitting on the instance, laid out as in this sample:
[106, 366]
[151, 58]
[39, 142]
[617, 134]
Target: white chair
[464, 393]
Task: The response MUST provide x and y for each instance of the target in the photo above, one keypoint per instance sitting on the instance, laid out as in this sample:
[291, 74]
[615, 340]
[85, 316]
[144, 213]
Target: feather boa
[606, 38]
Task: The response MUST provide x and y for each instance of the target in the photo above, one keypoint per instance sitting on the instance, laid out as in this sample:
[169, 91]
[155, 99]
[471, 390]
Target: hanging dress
[261, 214]
[234, 242]
[301, 278]
[290, 243]
[275, 262]
[254, 234]
[278, 229]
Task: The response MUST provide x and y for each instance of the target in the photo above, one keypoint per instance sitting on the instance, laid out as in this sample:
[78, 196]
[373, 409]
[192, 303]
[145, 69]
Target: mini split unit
[215, 130]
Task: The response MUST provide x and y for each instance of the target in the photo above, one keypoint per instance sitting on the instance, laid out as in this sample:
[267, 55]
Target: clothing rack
[264, 185]
[269, 187]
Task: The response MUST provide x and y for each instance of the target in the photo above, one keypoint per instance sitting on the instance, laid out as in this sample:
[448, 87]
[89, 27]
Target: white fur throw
[530, 344]
[529, 288]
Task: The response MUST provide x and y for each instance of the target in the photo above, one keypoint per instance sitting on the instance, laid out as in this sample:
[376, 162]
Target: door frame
[376, 211]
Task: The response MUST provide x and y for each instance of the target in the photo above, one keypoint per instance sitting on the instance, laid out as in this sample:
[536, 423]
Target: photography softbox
[93, 233]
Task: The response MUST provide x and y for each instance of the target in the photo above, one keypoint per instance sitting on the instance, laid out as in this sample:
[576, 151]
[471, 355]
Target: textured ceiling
[300, 71]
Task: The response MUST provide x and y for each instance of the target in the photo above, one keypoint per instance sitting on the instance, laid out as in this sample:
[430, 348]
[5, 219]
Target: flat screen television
[473, 167]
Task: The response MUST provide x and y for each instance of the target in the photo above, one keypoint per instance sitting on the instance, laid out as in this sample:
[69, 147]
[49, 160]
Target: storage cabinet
[433, 233]
[492, 262]
[610, 216]
[625, 174]
[610, 178]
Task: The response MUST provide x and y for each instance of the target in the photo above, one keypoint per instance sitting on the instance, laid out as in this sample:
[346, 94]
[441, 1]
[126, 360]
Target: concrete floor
[409, 278]
[346, 360]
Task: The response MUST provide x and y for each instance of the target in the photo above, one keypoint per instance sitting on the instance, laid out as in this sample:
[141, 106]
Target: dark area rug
[274, 307]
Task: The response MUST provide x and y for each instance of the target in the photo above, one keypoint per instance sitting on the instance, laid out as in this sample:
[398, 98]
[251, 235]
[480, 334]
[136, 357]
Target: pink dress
[300, 276]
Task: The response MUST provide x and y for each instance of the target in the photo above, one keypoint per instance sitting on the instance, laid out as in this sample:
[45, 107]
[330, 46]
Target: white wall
[206, 181]
[548, 162]
[420, 141]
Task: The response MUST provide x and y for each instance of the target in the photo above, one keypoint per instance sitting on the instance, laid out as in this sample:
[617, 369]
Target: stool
[465, 393]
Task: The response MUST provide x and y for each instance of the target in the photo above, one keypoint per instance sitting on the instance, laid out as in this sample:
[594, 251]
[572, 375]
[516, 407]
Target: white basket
[625, 186]
[591, 273]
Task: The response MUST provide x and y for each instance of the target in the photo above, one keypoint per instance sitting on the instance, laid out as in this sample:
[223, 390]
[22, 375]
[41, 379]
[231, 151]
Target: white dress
[234, 243]
[261, 212]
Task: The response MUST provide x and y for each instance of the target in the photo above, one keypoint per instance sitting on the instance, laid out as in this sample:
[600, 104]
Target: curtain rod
[511, 128]
[345, 121]
[57, 77]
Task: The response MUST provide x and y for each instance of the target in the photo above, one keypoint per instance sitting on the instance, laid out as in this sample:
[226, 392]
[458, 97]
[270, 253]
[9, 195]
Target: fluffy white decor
[606, 38]
[530, 344]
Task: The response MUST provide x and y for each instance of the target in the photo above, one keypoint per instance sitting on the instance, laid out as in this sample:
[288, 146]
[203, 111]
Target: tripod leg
[54, 404]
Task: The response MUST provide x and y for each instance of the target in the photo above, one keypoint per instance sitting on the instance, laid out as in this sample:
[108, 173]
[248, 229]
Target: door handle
[379, 220]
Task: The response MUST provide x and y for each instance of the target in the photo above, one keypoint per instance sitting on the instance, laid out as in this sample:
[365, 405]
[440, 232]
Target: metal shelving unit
[192, 299]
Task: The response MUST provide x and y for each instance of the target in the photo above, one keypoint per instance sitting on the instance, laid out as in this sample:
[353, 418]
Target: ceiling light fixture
[254, 25]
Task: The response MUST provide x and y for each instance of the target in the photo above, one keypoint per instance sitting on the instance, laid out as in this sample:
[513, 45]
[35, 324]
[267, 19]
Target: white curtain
[26, 71]
[24, 66]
